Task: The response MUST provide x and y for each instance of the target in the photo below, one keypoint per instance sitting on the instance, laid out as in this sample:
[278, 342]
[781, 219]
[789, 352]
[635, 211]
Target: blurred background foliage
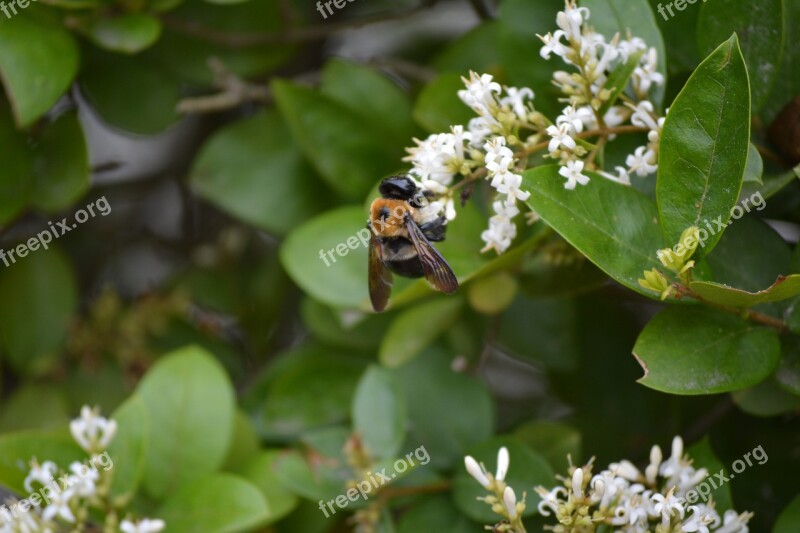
[234, 140]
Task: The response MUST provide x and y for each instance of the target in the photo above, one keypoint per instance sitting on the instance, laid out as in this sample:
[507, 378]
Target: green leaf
[61, 165]
[435, 513]
[429, 380]
[698, 350]
[787, 81]
[553, 440]
[634, 16]
[129, 33]
[190, 400]
[219, 503]
[372, 96]
[528, 469]
[759, 26]
[427, 321]
[34, 407]
[755, 166]
[338, 278]
[39, 299]
[254, 171]
[788, 373]
[348, 153]
[623, 244]
[703, 456]
[343, 329]
[785, 287]
[492, 294]
[129, 447]
[379, 413]
[17, 450]
[520, 23]
[132, 93]
[303, 389]
[789, 519]
[16, 170]
[704, 145]
[618, 80]
[38, 62]
[767, 398]
[438, 106]
[245, 443]
[319, 478]
[259, 472]
[772, 184]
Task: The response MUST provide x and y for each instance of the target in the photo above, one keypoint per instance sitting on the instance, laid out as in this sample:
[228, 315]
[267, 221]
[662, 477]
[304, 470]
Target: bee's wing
[436, 270]
[380, 278]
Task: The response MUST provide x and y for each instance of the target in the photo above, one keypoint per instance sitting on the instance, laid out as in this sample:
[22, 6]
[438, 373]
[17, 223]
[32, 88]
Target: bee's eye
[384, 213]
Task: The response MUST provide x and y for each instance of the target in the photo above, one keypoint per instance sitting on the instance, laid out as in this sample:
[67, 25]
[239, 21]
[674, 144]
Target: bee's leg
[435, 229]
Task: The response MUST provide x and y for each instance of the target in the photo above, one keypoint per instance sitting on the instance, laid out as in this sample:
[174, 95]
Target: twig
[747, 314]
[288, 36]
[234, 92]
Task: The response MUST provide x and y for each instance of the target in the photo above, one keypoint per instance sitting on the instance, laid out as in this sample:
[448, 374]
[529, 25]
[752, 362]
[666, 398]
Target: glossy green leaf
[755, 166]
[254, 171]
[129, 33]
[698, 350]
[704, 145]
[759, 26]
[772, 184]
[429, 380]
[427, 321]
[258, 471]
[329, 134]
[345, 329]
[61, 165]
[623, 245]
[245, 443]
[529, 470]
[787, 81]
[317, 257]
[788, 373]
[438, 106]
[789, 519]
[190, 400]
[129, 447]
[38, 62]
[635, 16]
[767, 398]
[16, 170]
[374, 97]
[39, 299]
[785, 287]
[310, 477]
[219, 503]
[475, 50]
[17, 450]
[379, 413]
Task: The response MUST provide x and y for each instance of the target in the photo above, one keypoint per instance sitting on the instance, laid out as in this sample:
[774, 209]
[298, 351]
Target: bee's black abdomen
[398, 188]
[409, 268]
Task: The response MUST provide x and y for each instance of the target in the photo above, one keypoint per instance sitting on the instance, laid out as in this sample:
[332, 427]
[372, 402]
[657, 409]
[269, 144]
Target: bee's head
[398, 188]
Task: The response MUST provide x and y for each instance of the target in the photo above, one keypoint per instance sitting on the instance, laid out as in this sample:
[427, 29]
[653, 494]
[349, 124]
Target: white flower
[499, 157]
[575, 118]
[573, 173]
[450, 209]
[701, 518]
[646, 75]
[499, 235]
[480, 93]
[571, 19]
[59, 506]
[476, 471]
[651, 472]
[553, 45]
[502, 462]
[459, 136]
[732, 522]
[642, 161]
[577, 483]
[40, 474]
[622, 176]
[643, 115]
[666, 506]
[510, 187]
[515, 99]
[83, 479]
[480, 128]
[144, 525]
[609, 54]
[437, 158]
[92, 431]
[504, 210]
[628, 47]
[550, 500]
[510, 499]
[615, 116]
[560, 137]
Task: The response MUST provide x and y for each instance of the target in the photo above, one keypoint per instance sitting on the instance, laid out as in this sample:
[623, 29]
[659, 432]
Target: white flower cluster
[60, 500]
[660, 499]
[496, 144]
[510, 508]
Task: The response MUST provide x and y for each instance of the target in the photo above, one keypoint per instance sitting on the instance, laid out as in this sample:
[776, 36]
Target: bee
[400, 241]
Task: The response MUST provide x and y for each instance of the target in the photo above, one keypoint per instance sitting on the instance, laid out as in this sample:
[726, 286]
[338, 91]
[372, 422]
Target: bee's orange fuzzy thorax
[393, 224]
